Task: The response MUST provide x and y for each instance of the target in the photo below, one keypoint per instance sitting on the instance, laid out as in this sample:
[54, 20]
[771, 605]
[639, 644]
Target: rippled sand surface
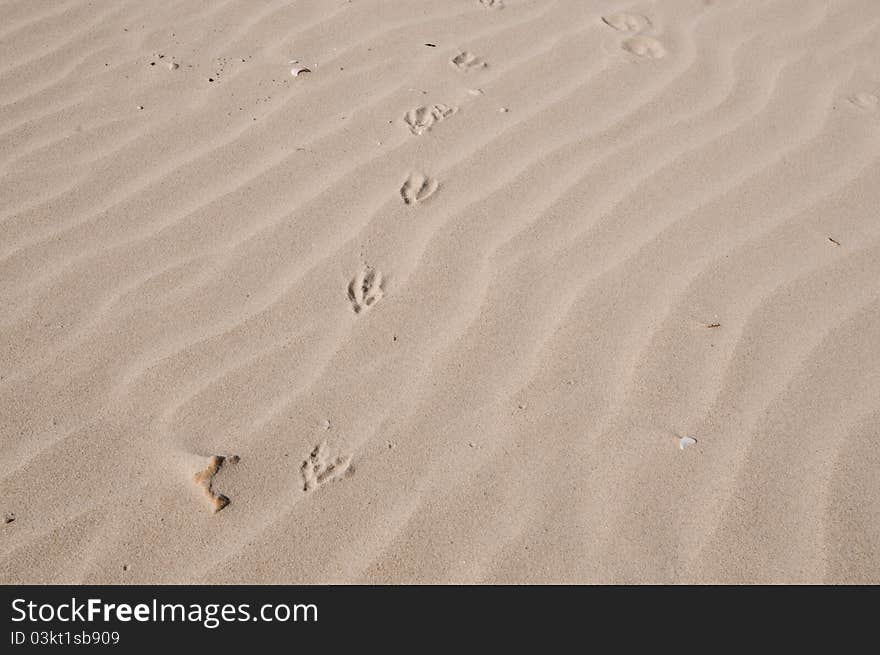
[442, 307]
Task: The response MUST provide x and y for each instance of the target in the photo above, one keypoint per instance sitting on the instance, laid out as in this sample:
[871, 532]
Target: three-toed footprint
[634, 23]
[640, 44]
[319, 469]
[365, 289]
[466, 61]
[645, 46]
[421, 119]
[865, 101]
[417, 188]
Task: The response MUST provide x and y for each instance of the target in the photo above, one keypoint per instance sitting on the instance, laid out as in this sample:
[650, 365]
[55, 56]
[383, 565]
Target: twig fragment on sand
[205, 479]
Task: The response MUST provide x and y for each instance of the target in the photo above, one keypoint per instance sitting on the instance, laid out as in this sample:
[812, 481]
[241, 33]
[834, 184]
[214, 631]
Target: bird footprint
[466, 61]
[421, 119]
[865, 101]
[417, 188]
[627, 22]
[365, 289]
[640, 45]
[318, 469]
[646, 47]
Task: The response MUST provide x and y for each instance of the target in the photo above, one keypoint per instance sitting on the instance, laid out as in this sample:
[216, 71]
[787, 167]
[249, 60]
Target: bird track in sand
[421, 119]
[417, 188]
[633, 23]
[365, 289]
[467, 61]
[640, 44]
[865, 101]
[646, 47]
[319, 468]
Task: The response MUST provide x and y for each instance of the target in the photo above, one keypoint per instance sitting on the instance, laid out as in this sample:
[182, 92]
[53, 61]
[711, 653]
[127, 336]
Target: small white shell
[684, 442]
[295, 71]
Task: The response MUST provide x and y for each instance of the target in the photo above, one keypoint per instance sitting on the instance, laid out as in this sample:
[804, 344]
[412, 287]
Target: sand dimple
[417, 188]
[421, 119]
[632, 23]
[365, 289]
[646, 47]
[467, 61]
[319, 468]
[205, 480]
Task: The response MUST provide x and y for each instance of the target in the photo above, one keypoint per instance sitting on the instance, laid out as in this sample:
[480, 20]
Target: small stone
[325, 424]
[173, 66]
[504, 110]
[140, 106]
[9, 518]
[686, 442]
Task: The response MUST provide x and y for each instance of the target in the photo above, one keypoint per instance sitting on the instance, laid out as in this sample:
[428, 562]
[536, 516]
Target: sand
[523, 292]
